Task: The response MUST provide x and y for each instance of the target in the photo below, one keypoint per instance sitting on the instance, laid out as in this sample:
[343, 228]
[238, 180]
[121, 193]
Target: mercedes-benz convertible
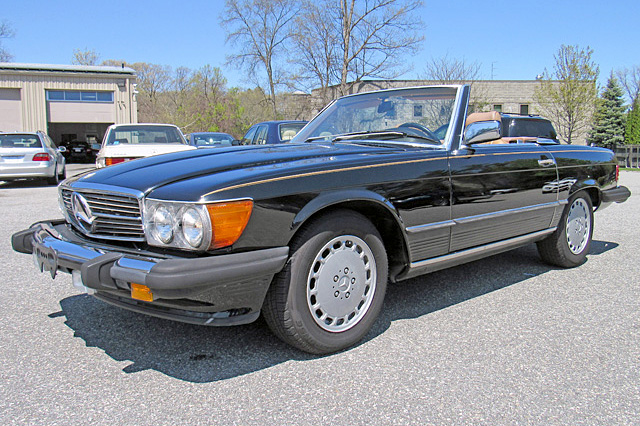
[309, 233]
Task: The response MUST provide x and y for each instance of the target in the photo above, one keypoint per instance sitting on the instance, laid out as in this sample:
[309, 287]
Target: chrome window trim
[457, 123]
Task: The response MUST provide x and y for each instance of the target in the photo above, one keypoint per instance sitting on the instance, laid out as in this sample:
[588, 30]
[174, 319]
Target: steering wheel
[419, 129]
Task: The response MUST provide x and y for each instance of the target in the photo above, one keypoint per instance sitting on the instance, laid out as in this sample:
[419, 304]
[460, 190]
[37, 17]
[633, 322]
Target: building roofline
[88, 69]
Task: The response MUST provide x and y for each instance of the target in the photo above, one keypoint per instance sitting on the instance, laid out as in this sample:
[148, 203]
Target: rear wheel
[332, 289]
[55, 179]
[569, 244]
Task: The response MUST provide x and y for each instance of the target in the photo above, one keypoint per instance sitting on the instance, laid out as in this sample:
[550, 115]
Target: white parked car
[124, 142]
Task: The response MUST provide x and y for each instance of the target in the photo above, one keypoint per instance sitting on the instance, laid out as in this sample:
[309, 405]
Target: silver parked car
[31, 155]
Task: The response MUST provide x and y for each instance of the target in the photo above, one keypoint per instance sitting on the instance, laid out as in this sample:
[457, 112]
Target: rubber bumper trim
[618, 194]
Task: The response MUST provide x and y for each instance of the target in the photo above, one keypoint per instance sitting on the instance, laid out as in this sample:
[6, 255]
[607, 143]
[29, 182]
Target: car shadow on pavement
[205, 354]
[25, 183]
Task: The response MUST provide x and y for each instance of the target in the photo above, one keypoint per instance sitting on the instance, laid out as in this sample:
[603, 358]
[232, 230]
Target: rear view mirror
[385, 107]
[482, 131]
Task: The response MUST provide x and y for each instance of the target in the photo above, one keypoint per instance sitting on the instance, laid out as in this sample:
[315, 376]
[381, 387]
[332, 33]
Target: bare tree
[261, 30]
[153, 81]
[316, 39]
[342, 42]
[445, 70]
[568, 94]
[375, 37]
[5, 32]
[630, 81]
[85, 57]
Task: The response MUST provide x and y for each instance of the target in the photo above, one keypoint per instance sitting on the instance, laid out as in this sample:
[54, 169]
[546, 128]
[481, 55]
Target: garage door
[10, 110]
[81, 112]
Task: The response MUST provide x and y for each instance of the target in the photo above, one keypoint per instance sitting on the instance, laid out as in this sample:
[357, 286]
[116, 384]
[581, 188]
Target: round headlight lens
[163, 224]
[192, 227]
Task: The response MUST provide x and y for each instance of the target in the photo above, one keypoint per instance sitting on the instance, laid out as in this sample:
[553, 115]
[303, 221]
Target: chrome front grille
[115, 216]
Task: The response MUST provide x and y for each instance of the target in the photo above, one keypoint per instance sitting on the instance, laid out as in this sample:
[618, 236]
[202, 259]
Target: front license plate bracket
[46, 259]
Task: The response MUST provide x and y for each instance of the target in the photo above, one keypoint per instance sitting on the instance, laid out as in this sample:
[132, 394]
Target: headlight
[192, 226]
[162, 224]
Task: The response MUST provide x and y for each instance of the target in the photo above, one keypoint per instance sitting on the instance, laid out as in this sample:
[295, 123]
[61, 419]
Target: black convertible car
[310, 232]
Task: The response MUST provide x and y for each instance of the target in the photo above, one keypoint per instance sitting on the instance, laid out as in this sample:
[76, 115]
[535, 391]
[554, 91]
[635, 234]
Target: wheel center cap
[343, 283]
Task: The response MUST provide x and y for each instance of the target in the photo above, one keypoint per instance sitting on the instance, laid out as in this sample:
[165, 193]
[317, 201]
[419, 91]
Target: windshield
[413, 115]
[144, 134]
[212, 139]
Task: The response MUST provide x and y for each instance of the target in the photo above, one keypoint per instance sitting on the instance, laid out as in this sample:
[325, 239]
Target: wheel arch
[378, 210]
[591, 187]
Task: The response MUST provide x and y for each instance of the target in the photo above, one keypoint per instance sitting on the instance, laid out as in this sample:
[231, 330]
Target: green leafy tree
[609, 118]
[632, 130]
[567, 95]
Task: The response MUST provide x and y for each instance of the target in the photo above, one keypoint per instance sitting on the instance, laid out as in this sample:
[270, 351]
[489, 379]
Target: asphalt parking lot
[501, 341]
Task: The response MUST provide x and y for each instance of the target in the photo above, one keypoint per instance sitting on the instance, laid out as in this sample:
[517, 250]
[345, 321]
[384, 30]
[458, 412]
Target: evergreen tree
[609, 118]
[632, 131]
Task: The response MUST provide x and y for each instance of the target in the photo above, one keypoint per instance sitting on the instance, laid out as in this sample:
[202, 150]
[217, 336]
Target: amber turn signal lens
[141, 292]
[228, 221]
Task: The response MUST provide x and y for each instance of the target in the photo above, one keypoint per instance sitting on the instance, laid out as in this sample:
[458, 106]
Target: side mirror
[235, 142]
[482, 131]
[62, 149]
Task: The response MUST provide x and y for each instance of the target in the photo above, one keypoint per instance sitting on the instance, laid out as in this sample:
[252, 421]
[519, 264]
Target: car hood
[186, 176]
[142, 150]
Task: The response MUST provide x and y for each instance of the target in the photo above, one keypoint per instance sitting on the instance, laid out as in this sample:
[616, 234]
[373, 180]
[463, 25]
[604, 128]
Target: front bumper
[211, 290]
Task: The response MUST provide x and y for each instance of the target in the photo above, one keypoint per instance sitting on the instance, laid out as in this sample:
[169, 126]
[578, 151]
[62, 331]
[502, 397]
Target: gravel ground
[504, 340]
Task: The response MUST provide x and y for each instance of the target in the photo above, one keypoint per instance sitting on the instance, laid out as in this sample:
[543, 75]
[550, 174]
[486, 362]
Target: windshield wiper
[387, 134]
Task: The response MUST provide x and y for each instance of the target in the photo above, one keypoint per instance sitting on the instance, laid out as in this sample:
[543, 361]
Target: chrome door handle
[546, 162]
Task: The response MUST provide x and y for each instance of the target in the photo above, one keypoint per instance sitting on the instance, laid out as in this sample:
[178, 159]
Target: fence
[627, 155]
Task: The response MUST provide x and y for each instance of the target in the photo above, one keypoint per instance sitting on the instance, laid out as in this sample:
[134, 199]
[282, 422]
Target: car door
[500, 191]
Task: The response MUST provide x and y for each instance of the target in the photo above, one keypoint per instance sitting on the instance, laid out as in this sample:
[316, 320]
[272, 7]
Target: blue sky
[517, 39]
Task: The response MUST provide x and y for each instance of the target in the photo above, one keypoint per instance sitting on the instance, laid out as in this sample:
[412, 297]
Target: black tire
[55, 179]
[569, 244]
[319, 305]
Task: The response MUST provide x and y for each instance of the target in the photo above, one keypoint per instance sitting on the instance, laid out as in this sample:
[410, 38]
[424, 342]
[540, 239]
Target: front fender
[326, 200]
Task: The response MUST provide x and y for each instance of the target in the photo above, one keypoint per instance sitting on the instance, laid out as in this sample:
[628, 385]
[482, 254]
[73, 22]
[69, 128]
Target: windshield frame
[305, 134]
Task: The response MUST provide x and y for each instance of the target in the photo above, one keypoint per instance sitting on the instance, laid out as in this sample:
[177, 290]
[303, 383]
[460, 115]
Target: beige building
[69, 102]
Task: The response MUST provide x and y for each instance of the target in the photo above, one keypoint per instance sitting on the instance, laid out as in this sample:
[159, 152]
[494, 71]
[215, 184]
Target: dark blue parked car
[272, 132]
[210, 139]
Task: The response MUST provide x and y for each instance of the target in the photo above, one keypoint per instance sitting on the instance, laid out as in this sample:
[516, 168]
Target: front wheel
[332, 289]
[569, 244]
